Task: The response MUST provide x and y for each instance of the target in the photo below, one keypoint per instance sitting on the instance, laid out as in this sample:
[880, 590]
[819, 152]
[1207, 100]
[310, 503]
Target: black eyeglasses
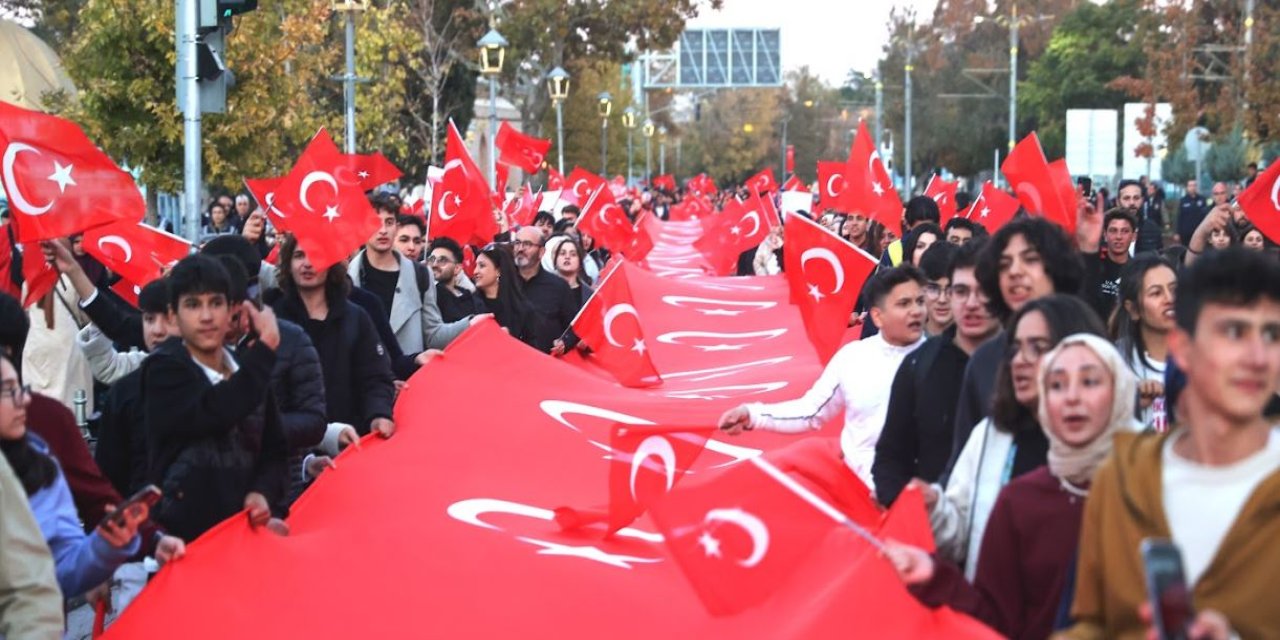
[15, 394]
[525, 244]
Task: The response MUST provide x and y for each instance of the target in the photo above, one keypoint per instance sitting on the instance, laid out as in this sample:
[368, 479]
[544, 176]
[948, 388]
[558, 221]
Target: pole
[1013, 78]
[629, 149]
[782, 167]
[560, 135]
[192, 170]
[662, 156]
[648, 159]
[493, 131]
[604, 147]
[679, 141]
[350, 82]
[906, 157]
[995, 169]
[879, 111]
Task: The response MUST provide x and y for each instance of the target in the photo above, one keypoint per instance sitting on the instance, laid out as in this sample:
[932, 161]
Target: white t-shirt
[1203, 502]
[1154, 416]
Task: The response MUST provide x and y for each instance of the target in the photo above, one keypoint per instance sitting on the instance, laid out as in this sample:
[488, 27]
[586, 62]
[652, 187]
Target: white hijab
[1077, 464]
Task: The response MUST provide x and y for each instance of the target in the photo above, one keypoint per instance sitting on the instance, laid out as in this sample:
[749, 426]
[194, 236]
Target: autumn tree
[737, 135]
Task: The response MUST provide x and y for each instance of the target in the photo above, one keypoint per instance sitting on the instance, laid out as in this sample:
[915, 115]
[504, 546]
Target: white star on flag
[62, 176]
[710, 544]
[813, 291]
[330, 213]
[363, 174]
[586, 553]
[736, 231]
[638, 347]
[875, 186]
[985, 211]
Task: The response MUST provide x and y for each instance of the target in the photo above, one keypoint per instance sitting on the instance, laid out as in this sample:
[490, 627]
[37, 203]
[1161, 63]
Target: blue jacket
[82, 561]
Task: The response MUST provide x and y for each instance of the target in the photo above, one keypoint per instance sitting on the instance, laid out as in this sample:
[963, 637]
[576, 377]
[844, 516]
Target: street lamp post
[604, 107]
[906, 153]
[879, 108]
[558, 87]
[662, 150]
[629, 121]
[1013, 76]
[648, 130]
[493, 49]
[349, 8]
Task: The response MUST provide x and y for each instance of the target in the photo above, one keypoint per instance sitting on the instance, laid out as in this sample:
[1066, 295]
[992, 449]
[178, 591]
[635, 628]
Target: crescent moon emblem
[557, 409]
[939, 197]
[604, 214]
[654, 447]
[612, 314]
[1275, 194]
[310, 179]
[270, 199]
[825, 254]
[471, 510]
[754, 216]
[117, 241]
[20, 201]
[344, 174]
[1033, 194]
[831, 190]
[678, 301]
[440, 208]
[674, 337]
[871, 162]
[974, 207]
[579, 192]
[749, 523]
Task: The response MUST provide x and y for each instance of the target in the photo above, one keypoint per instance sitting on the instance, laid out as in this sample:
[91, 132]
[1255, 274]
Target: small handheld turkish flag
[666, 182]
[943, 193]
[461, 205]
[813, 251]
[868, 188]
[740, 534]
[647, 463]
[1039, 186]
[605, 221]
[555, 180]
[738, 227]
[57, 182]
[515, 148]
[329, 217]
[610, 324]
[992, 208]
[137, 252]
[1261, 202]
[763, 182]
[40, 276]
[794, 183]
[373, 169]
[830, 183]
[580, 185]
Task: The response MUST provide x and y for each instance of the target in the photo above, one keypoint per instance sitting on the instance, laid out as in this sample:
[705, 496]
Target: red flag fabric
[10, 280]
[738, 227]
[56, 181]
[39, 275]
[580, 185]
[135, 251]
[524, 151]
[943, 193]
[605, 221]
[647, 463]
[264, 191]
[907, 521]
[618, 347]
[460, 205]
[469, 261]
[992, 208]
[666, 182]
[1037, 185]
[762, 182]
[373, 170]
[555, 180]
[523, 207]
[830, 184]
[492, 538]
[127, 291]
[868, 188]
[702, 185]
[794, 183]
[1261, 202]
[329, 217]
[825, 310]
[273, 256]
[500, 177]
[739, 536]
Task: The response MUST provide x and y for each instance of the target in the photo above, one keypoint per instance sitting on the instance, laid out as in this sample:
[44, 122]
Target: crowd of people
[1056, 399]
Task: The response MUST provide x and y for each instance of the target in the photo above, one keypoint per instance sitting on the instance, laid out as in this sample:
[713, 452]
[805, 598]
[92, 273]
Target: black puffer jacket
[210, 444]
[298, 383]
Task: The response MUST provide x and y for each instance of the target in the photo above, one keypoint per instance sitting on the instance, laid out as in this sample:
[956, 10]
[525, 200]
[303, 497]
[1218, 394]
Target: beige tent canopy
[28, 67]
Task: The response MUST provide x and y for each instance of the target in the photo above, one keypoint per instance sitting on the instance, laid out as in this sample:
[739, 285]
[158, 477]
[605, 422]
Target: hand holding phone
[1167, 591]
[121, 525]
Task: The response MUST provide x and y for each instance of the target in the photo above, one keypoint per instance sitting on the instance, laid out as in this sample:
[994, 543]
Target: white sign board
[1092, 140]
[1134, 166]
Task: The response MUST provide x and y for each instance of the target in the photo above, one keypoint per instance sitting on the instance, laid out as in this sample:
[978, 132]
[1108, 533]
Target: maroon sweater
[1026, 557]
[91, 491]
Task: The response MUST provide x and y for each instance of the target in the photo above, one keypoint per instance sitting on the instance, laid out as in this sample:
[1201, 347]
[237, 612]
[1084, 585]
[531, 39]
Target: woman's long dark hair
[913, 238]
[1126, 330]
[336, 284]
[35, 470]
[1065, 315]
[510, 299]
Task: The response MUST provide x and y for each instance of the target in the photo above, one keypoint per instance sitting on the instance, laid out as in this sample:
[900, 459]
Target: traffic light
[228, 8]
[214, 76]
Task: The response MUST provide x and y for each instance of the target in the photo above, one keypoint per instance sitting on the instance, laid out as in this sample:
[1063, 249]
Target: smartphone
[1167, 589]
[1086, 186]
[147, 497]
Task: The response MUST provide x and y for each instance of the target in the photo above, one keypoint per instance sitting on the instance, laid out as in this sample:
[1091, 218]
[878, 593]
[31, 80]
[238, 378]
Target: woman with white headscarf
[1087, 394]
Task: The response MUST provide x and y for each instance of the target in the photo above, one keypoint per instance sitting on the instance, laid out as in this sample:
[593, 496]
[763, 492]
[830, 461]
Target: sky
[830, 36]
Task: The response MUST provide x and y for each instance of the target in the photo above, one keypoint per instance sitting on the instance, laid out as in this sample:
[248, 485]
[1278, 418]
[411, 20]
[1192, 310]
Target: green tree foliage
[814, 128]
[737, 136]
[1090, 48]
[582, 122]
[1228, 156]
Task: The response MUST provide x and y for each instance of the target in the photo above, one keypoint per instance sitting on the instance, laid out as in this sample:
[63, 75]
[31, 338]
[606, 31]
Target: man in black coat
[215, 444]
[916, 440]
[552, 299]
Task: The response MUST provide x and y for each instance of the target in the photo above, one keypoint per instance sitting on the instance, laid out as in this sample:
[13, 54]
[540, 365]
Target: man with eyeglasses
[936, 265]
[406, 288]
[916, 440]
[445, 260]
[548, 293]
